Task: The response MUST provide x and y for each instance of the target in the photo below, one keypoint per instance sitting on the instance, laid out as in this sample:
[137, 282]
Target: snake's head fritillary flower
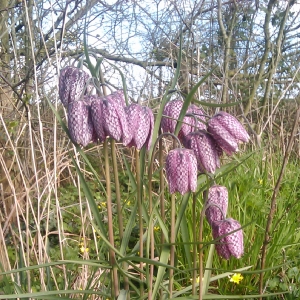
[227, 131]
[72, 82]
[170, 116]
[181, 171]
[119, 97]
[80, 123]
[199, 116]
[232, 244]
[140, 124]
[206, 150]
[97, 117]
[115, 122]
[217, 203]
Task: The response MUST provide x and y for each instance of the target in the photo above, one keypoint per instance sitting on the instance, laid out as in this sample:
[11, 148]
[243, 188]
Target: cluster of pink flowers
[92, 118]
[205, 139]
[226, 231]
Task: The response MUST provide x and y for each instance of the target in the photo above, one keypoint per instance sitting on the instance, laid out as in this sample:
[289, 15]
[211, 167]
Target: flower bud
[140, 123]
[231, 244]
[72, 82]
[80, 123]
[181, 170]
[227, 131]
[205, 149]
[217, 203]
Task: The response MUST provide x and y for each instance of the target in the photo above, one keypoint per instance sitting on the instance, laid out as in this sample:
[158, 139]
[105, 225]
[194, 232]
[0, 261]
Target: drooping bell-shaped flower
[181, 171]
[80, 123]
[72, 82]
[199, 115]
[227, 132]
[232, 244]
[140, 124]
[97, 117]
[217, 203]
[115, 122]
[205, 149]
[170, 116]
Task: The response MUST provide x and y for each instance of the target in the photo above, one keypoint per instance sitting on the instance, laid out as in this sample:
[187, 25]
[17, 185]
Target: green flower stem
[172, 240]
[151, 230]
[118, 202]
[201, 272]
[162, 186]
[112, 257]
[117, 185]
[201, 255]
[194, 247]
[140, 212]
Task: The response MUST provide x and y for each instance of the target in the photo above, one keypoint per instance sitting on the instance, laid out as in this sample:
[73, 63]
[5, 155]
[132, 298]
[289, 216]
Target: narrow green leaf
[186, 239]
[207, 273]
[165, 98]
[209, 104]
[123, 80]
[88, 194]
[214, 296]
[181, 211]
[128, 229]
[165, 253]
[188, 100]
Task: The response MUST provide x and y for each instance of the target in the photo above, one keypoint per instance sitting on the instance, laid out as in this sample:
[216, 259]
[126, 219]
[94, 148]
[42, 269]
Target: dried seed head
[232, 244]
[140, 123]
[205, 150]
[217, 203]
[80, 123]
[72, 82]
[181, 171]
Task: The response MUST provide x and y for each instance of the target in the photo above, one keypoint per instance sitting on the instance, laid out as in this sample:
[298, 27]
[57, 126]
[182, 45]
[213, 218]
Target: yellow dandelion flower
[156, 228]
[83, 249]
[197, 279]
[236, 278]
[260, 181]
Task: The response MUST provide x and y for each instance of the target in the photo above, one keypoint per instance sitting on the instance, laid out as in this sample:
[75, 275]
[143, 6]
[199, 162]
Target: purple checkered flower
[181, 171]
[97, 117]
[72, 82]
[140, 123]
[115, 122]
[80, 123]
[199, 116]
[231, 244]
[170, 116]
[227, 132]
[205, 149]
[217, 203]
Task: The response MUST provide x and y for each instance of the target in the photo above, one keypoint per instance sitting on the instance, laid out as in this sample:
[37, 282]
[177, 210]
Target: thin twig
[267, 238]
